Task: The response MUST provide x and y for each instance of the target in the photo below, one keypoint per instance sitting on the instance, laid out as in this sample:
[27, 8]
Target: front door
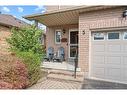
[73, 43]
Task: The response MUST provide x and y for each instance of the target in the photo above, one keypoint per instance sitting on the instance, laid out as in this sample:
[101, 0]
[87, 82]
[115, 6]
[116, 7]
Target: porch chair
[60, 55]
[49, 55]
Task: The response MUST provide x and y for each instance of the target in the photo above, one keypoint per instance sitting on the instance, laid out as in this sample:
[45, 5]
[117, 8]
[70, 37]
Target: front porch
[66, 66]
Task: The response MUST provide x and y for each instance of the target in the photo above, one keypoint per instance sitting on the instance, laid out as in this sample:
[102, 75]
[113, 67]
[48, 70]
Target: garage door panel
[125, 73]
[99, 59]
[125, 47]
[113, 72]
[99, 48]
[114, 48]
[98, 72]
[125, 61]
[114, 60]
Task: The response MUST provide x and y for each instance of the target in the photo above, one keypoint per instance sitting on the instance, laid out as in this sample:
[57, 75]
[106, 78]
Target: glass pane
[113, 35]
[98, 36]
[58, 36]
[73, 51]
[74, 37]
[125, 35]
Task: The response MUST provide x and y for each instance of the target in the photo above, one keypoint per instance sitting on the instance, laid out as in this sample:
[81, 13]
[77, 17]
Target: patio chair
[50, 54]
[60, 55]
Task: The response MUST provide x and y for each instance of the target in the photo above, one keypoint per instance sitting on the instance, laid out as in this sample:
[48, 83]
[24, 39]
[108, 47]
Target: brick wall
[4, 33]
[106, 18]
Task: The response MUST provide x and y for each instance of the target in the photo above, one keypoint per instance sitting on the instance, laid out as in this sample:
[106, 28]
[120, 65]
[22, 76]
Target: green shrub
[25, 44]
[26, 39]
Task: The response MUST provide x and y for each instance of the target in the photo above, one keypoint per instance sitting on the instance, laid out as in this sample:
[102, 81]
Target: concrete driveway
[95, 84]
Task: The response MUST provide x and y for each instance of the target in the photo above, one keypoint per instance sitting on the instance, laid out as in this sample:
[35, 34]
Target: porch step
[64, 72]
[65, 77]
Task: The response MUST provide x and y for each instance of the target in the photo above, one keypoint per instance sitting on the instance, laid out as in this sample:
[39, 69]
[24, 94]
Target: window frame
[41, 39]
[113, 39]
[123, 35]
[98, 40]
[58, 30]
[72, 30]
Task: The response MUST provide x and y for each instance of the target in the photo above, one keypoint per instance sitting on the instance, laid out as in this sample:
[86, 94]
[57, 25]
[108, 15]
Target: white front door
[109, 56]
[73, 43]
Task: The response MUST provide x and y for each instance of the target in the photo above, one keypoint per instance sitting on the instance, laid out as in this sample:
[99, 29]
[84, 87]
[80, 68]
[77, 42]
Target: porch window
[41, 40]
[58, 36]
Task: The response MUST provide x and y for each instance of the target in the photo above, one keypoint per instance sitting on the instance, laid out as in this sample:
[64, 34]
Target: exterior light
[83, 32]
[125, 13]
[64, 31]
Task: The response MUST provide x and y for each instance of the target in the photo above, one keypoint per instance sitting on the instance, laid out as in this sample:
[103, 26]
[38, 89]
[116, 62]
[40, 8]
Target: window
[58, 37]
[41, 40]
[73, 51]
[74, 37]
[98, 36]
[125, 36]
[113, 36]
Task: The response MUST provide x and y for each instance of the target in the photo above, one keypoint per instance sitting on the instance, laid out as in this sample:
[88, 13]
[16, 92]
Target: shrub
[25, 44]
[33, 62]
[26, 39]
[13, 73]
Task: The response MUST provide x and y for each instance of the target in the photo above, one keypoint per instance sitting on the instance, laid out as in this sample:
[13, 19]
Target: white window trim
[123, 35]
[114, 39]
[71, 30]
[55, 36]
[98, 40]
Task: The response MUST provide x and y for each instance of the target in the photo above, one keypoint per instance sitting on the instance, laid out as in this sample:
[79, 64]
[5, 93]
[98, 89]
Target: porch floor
[58, 65]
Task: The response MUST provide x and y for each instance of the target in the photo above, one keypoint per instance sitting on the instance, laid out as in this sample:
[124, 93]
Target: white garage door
[109, 56]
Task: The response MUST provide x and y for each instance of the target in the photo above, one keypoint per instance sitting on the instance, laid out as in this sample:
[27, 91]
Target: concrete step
[65, 77]
[63, 72]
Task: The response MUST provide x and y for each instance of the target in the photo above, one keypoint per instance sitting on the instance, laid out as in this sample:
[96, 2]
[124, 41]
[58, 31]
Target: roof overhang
[65, 16]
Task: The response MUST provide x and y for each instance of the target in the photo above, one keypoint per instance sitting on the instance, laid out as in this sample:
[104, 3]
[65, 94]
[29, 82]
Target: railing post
[76, 63]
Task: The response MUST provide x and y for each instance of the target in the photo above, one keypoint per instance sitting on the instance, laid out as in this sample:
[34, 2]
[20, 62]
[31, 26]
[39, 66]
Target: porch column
[36, 23]
[84, 33]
